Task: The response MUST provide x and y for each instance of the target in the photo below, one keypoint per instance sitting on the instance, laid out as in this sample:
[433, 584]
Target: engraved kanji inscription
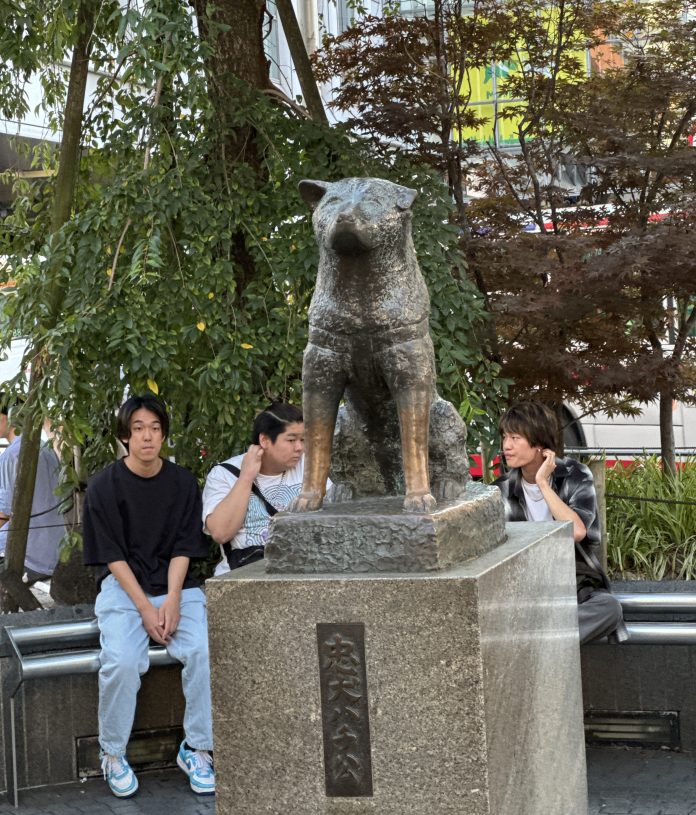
[344, 710]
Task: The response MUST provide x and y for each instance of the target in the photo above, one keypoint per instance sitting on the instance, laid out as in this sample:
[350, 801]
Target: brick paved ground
[621, 782]
[641, 782]
[165, 791]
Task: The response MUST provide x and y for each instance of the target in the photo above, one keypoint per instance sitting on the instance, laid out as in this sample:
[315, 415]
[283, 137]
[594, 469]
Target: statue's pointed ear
[405, 197]
[312, 191]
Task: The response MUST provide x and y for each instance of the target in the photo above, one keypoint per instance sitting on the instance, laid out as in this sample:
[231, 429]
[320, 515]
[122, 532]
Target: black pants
[598, 615]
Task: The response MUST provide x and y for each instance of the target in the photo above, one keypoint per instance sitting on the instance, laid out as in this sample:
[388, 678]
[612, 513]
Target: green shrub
[652, 540]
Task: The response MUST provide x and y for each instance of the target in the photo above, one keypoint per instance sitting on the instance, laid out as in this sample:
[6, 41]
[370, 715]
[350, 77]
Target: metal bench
[659, 632]
[65, 651]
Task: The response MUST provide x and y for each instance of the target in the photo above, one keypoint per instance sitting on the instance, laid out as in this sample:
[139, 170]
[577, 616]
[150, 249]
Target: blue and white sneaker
[198, 766]
[119, 776]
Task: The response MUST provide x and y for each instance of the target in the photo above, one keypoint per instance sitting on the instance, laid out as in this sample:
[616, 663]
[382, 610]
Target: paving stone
[165, 791]
[621, 782]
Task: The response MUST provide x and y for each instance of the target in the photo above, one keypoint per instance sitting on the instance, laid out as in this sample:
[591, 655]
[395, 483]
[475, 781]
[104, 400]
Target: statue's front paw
[306, 502]
[420, 502]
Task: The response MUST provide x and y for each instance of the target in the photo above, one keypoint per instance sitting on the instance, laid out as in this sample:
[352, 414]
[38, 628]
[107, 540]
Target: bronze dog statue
[369, 343]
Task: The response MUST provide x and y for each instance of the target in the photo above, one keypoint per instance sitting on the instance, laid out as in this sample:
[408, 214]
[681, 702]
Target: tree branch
[300, 58]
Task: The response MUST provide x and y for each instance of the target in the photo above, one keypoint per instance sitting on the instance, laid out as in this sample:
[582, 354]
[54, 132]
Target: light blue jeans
[124, 645]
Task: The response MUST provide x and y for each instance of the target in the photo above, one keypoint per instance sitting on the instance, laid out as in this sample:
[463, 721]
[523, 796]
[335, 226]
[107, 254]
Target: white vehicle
[631, 434]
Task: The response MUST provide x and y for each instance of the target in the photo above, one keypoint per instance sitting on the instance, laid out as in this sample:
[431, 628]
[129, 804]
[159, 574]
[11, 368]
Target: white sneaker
[198, 766]
[119, 776]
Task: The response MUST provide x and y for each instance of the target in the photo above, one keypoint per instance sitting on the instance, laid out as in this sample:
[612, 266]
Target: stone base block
[449, 692]
[377, 535]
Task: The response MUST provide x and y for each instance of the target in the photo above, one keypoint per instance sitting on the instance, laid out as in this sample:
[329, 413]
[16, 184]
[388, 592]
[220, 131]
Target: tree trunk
[298, 52]
[238, 51]
[235, 54]
[18, 593]
[669, 459]
[557, 408]
[66, 180]
[598, 468]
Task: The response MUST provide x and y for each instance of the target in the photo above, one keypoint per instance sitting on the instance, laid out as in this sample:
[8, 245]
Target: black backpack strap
[270, 509]
[240, 557]
[589, 557]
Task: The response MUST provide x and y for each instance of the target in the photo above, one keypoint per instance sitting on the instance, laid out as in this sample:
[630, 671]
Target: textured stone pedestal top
[377, 535]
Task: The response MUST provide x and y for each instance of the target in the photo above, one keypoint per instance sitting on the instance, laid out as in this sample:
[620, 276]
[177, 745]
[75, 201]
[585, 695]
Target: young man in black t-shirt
[142, 526]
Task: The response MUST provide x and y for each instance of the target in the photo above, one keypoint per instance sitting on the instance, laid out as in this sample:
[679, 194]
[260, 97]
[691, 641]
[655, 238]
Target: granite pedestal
[468, 687]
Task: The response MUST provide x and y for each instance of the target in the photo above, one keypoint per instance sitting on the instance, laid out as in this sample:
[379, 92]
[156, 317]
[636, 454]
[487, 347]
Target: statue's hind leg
[449, 463]
[409, 370]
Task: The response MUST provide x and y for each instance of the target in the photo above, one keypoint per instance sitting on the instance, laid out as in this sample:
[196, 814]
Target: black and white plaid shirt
[573, 484]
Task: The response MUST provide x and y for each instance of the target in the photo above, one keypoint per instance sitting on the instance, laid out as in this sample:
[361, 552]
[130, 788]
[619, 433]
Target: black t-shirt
[144, 521]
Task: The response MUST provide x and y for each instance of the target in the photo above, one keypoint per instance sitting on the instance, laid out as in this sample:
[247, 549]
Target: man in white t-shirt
[237, 507]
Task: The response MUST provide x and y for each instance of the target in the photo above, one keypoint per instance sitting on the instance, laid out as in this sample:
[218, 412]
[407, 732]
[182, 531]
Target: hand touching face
[548, 465]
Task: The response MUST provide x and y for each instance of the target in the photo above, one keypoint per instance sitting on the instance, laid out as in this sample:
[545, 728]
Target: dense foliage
[154, 293]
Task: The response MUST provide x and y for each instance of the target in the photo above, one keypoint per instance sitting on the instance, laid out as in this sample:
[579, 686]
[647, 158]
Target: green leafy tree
[63, 196]
[187, 263]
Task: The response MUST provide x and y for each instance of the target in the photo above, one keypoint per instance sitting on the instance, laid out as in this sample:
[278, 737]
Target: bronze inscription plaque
[344, 712]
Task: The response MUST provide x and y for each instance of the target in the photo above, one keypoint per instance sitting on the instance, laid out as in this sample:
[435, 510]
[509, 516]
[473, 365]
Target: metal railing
[618, 452]
[659, 632]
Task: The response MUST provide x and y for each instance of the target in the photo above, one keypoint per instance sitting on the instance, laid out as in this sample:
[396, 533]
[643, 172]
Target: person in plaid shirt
[542, 487]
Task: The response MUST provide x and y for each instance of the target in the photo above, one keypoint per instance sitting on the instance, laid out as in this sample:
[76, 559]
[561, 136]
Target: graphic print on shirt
[256, 520]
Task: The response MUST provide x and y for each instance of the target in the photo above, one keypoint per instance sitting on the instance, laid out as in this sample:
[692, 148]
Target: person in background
[46, 525]
[542, 487]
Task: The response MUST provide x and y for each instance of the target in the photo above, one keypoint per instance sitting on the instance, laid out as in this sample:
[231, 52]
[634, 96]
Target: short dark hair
[533, 420]
[149, 402]
[273, 420]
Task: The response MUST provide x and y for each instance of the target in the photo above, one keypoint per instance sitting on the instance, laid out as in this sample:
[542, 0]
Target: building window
[271, 23]
[345, 15]
[417, 8]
